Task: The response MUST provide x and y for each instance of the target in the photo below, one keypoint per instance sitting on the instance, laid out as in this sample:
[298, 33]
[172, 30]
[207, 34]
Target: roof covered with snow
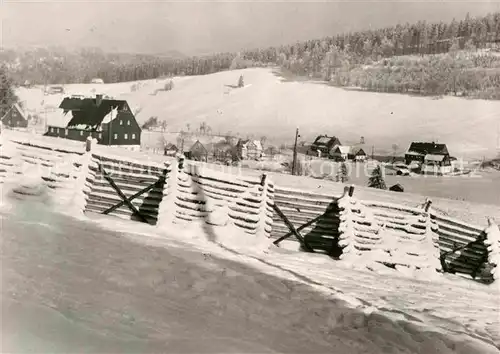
[422, 148]
[342, 149]
[326, 141]
[91, 112]
[431, 157]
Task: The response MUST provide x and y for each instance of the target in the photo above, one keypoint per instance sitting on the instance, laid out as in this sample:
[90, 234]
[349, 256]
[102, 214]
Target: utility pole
[373, 152]
[109, 125]
[294, 162]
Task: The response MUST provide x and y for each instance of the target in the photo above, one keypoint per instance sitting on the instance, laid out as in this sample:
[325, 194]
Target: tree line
[347, 59]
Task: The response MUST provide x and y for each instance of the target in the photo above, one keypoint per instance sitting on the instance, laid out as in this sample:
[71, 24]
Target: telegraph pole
[294, 162]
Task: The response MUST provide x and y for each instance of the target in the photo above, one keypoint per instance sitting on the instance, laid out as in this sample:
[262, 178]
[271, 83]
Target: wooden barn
[323, 146]
[109, 121]
[15, 118]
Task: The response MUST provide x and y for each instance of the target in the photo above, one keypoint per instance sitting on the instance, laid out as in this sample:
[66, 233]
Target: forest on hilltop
[422, 58]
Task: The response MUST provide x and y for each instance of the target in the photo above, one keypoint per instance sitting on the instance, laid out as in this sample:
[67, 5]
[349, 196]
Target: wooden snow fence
[310, 218]
[125, 188]
[58, 168]
[394, 235]
[463, 248]
[199, 194]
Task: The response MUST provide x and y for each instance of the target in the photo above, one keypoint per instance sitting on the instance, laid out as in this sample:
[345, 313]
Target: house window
[133, 136]
[128, 122]
[125, 136]
[50, 129]
[66, 132]
[81, 132]
[121, 122]
[100, 135]
[115, 136]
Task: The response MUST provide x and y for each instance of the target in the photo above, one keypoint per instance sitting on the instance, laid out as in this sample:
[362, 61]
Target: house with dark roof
[432, 157]
[109, 121]
[323, 146]
[15, 118]
[417, 151]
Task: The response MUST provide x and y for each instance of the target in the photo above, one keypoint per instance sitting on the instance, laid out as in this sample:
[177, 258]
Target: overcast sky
[208, 26]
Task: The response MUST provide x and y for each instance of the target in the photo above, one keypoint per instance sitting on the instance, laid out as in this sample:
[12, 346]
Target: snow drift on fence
[27, 164]
[394, 235]
[492, 242]
[195, 193]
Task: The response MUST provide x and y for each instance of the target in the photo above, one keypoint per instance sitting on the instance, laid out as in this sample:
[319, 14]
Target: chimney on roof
[98, 99]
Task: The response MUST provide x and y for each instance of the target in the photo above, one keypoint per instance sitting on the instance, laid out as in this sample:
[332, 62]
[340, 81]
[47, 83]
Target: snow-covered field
[102, 293]
[268, 106]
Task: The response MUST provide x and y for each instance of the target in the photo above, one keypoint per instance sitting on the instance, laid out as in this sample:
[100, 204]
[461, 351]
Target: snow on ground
[442, 303]
[267, 106]
[101, 293]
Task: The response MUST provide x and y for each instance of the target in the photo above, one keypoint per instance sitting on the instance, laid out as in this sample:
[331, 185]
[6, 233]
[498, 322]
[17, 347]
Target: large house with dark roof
[432, 157]
[109, 121]
[324, 146]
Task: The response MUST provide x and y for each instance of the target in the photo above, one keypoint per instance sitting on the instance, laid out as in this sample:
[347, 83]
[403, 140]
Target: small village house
[109, 121]
[323, 146]
[249, 149]
[417, 151]
[197, 152]
[15, 117]
[170, 150]
[397, 188]
[436, 164]
[225, 152]
[97, 81]
[356, 154]
[433, 158]
[340, 153]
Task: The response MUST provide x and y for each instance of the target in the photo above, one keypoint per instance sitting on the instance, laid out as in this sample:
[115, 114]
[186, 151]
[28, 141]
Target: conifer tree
[7, 95]
[342, 174]
[377, 179]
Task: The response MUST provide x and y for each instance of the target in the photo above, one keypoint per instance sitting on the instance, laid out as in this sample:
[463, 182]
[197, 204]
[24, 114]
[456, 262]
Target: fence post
[351, 190]
[346, 228]
[432, 238]
[167, 207]
[266, 213]
[82, 187]
[492, 243]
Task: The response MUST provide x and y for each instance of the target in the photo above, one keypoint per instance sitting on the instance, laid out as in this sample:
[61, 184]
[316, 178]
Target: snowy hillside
[271, 107]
